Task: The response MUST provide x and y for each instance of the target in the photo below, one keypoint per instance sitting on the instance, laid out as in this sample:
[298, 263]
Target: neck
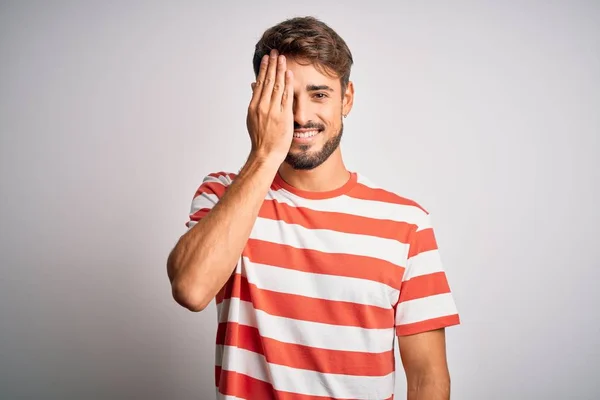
[330, 175]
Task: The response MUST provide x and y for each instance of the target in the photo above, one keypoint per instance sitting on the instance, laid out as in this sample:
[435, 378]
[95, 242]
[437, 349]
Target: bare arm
[424, 359]
[204, 257]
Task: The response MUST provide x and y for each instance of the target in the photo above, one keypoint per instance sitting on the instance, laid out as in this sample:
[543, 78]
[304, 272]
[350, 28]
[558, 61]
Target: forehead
[307, 74]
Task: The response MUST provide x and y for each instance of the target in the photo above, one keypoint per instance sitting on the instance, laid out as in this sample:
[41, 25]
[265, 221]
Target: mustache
[309, 125]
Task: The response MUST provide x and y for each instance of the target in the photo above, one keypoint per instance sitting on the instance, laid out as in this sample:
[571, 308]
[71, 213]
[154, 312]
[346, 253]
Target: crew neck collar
[345, 188]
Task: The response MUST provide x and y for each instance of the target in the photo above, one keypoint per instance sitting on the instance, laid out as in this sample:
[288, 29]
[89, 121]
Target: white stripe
[330, 241]
[425, 263]
[319, 286]
[203, 200]
[419, 215]
[306, 382]
[307, 333]
[222, 179]
[342, 204]
[349, 205]
[424, 223]
[430, 307]
[191, 224]
[208, 200]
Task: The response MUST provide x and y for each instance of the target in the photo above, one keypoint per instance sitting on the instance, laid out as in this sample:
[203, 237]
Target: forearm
[429, 387]
[203, 259]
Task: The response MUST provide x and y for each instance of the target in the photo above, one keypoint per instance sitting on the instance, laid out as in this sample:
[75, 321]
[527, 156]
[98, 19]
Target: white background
[487, 113]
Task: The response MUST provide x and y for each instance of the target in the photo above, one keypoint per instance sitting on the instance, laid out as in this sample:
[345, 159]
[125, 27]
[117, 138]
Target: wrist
[262, 160]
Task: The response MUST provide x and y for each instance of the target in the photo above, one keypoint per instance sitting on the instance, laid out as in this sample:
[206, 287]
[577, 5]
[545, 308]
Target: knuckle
[276, 87]
[263, 109]
[267, 81]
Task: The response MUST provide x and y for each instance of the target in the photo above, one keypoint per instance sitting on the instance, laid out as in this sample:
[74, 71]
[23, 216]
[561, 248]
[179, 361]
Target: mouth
[305, 135]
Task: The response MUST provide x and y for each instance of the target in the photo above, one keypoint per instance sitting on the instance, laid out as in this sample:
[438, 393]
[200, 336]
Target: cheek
[330, 115]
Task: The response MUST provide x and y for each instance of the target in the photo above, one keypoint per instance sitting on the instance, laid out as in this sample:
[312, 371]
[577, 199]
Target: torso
[310, 307]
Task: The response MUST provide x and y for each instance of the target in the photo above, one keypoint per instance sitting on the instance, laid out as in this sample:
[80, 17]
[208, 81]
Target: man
[314, 268]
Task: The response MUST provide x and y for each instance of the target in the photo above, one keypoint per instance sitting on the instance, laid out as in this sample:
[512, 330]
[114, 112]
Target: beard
[304, 159]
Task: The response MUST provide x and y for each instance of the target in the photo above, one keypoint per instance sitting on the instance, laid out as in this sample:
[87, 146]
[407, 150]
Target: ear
[348, 99]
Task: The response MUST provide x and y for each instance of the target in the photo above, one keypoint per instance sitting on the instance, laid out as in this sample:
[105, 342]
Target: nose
[300, 114]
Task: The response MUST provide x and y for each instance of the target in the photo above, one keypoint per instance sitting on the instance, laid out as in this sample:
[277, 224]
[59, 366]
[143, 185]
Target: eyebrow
[313, 88]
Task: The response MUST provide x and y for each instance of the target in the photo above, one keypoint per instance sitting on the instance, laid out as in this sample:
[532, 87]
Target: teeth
[305, 134]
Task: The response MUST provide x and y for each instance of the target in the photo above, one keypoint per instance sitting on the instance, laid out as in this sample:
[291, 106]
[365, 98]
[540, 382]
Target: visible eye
[320, 96]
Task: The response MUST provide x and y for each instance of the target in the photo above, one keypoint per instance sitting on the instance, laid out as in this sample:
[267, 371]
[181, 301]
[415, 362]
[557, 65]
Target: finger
[267, 89]
[279, 84]
[287, 99]
[260, 79]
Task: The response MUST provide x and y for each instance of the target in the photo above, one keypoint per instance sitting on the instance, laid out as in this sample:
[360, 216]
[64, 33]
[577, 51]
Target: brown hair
[307, 39]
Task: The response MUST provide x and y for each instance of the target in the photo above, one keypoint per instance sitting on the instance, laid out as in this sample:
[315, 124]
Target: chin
[307, 156]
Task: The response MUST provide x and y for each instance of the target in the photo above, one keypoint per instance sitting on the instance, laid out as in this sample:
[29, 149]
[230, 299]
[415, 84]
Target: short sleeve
[207, 196]
[425, 302]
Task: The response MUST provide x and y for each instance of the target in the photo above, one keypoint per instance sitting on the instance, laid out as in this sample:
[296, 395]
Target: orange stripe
[198, 215]
[423, 241]
[335, 221]
[428, 325]
[363, 192]
[423, 286]
[309, 308]
[218, 175]
[246, 387]
[305, 357]
[217, 189]
[319, 262]
[211, 188]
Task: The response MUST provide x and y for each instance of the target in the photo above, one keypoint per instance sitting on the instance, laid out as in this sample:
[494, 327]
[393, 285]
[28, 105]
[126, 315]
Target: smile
[305, 134]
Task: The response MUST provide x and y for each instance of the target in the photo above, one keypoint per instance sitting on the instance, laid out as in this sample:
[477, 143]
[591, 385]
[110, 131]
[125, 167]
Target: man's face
[318, 109]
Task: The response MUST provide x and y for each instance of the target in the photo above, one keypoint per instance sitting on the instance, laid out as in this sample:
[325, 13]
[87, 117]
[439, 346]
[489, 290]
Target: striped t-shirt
[323, 284]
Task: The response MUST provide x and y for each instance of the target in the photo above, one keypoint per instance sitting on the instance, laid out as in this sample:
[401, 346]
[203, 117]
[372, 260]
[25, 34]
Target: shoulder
[214, 183]
[222, 177]
[401, 206]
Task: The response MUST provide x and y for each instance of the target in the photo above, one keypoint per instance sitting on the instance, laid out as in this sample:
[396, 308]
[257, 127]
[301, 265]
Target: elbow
[184, 288]
[188, 297]
[429, 383]
[185, 292]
